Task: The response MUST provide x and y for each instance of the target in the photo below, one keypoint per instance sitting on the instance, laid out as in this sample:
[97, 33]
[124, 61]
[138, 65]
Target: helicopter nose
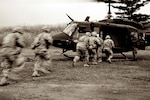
[60, 36]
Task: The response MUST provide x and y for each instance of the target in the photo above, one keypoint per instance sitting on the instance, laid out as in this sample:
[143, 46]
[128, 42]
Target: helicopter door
[118, 34]
[70, 29]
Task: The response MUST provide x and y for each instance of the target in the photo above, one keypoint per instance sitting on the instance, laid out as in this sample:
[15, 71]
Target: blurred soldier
[100, 49]
[82, 49]
[42, 56]
[108, 45]
[94, 43]
[134, 39]
[11, 60]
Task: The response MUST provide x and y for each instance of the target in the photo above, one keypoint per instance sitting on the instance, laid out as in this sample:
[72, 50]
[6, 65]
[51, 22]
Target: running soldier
[108, 45]
[42, 56]
[94, 43]
[82, 49]
[100, 49]
[134, 39]
[12, 61]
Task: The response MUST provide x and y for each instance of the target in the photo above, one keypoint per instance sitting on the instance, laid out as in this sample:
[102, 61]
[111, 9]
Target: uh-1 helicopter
[120, 31]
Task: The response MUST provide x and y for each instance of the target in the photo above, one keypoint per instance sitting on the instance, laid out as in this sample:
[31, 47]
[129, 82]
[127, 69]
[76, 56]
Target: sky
[52, 12]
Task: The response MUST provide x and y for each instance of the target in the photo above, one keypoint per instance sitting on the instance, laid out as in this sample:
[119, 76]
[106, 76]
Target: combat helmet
[88, 34]
[17, 30]
[107, 37]
[45, 29]
[94, 33]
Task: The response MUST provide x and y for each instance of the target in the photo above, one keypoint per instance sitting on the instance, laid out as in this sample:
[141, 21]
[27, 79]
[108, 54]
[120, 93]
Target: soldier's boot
[35, 74]
[94, 60]
[99, 60]
[94, 63]
[76, 58]
[3, 81]
[43, 70]
[134, 54]
[109, 60]
[73, 64]
[134, 57]
[86, 65]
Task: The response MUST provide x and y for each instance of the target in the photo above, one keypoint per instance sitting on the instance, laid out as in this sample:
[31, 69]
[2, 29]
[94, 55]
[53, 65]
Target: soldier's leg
[135, 53]
[39, 66]
[5, 73]
[19, 64]
[76, 58]
[47, 65]
[94, 61]
[86, 59]
[43, 66]
[4, 79]
[106, 53]
[110, 55]
[99, 53]
[36, 67]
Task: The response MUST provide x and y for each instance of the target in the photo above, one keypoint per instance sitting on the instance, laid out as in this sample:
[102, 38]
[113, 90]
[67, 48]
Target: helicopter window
[70, 28]
[82, 29]
[97, 29]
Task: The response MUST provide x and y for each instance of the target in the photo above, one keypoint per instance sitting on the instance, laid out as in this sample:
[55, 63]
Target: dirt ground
[122, 80]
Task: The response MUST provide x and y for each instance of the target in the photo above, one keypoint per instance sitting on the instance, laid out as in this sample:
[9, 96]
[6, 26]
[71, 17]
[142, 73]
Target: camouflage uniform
[100, 49]
[134, 44]
[42, 56]
[108, 45]
[11, 60]
[82, 49]
[94, 43]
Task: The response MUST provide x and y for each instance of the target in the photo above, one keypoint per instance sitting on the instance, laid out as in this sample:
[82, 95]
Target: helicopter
[120, 31]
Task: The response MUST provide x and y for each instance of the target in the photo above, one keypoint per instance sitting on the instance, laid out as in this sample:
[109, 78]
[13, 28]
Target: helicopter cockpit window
[70, 28]
[82, 29]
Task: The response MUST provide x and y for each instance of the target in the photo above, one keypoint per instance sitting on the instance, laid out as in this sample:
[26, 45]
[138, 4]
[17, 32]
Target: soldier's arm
[97, 41]
[20, 41]
[101, 40]
[48, 39]
[113, 44]
[35, 43]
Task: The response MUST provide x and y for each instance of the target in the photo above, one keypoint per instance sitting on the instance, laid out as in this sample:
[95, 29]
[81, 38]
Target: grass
[30, 32]
[121, 80]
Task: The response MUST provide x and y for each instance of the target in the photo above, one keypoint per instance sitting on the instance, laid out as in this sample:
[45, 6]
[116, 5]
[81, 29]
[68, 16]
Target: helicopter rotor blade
[70, 17]
[87, 18]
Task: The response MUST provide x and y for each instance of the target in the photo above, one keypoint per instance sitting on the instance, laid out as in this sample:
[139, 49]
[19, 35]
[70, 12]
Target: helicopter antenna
[109, 11]
[87, 18]
[70, 17]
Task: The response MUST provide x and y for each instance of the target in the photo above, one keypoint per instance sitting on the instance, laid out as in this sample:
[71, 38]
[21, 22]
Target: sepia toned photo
[74, 50]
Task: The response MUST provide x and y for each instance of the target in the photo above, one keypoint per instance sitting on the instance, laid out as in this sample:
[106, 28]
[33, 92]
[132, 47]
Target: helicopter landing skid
[67, 56]
[124, 56]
